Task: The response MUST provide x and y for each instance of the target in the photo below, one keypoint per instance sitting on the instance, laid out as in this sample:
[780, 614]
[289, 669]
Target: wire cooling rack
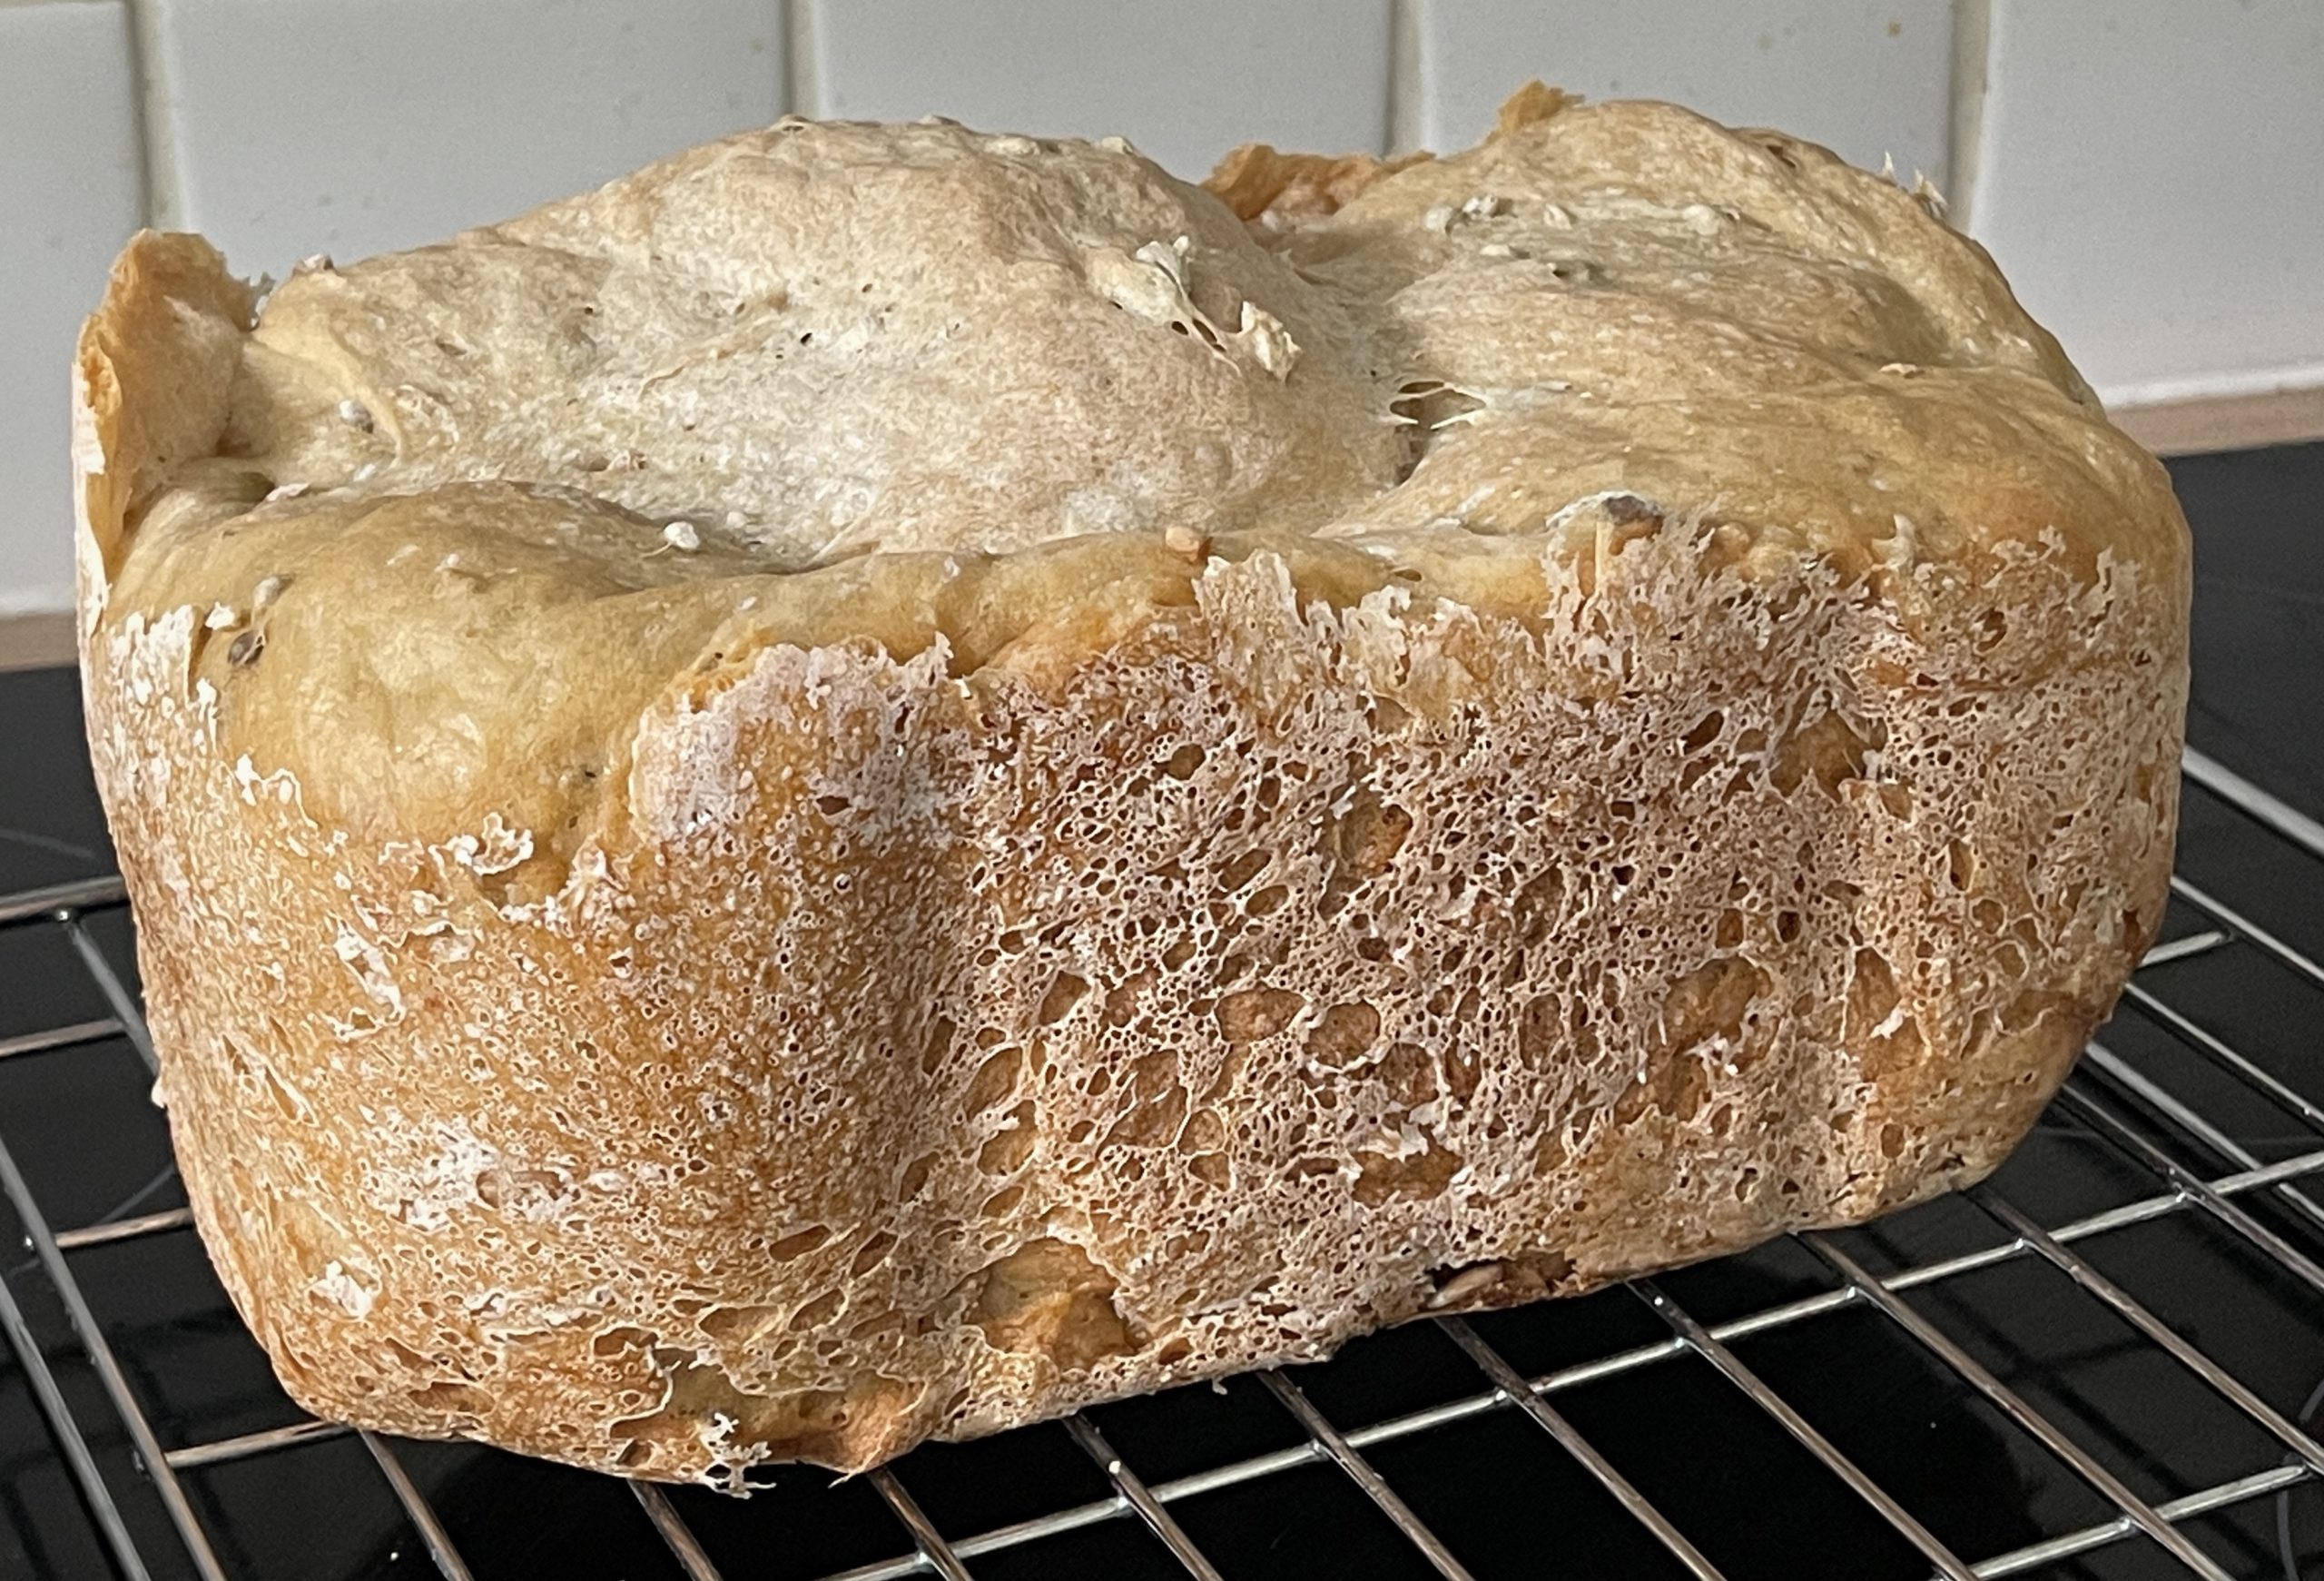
[2102, 1363]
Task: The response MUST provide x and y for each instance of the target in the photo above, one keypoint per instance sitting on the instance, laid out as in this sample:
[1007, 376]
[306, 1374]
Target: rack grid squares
[2143, 1114]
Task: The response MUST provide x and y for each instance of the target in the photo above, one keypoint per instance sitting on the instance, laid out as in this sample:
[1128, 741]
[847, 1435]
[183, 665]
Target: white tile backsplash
[357, 126]
[1184, 80]
[1866, 79]
[2151, 179]
[69, 183]
[2147, 173]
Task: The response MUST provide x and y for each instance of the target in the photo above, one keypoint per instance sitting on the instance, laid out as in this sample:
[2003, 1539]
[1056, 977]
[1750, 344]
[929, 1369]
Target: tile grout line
[1971, 65]
[157, 164]
[1404, 86]
[801, 83]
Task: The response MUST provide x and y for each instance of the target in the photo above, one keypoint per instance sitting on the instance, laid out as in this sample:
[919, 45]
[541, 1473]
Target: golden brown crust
[1668, 738]
[181, 378]
[1260, 183]
[1535, 103]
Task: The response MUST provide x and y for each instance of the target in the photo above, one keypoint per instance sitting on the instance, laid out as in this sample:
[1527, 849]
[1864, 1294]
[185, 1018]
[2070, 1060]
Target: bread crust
[1630, 765]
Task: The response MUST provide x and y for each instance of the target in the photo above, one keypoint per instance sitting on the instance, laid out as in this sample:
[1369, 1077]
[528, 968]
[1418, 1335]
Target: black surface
[2259, 619]
[1499, 1493]
[51, 827]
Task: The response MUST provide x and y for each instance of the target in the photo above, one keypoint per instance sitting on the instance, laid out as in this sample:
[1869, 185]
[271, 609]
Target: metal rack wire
[2114, 1101]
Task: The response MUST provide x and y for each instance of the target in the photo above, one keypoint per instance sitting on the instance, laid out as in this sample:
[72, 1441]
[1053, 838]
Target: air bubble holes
[1702, 733]
[1007, 1151]
[1242, 870]
[1267, 901]
[1065, 992]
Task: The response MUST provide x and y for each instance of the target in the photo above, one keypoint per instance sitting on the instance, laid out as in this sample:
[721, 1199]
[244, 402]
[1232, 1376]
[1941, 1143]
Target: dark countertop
[2257, 703]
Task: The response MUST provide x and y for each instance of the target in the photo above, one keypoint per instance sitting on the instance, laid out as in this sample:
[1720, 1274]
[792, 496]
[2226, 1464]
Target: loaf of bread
[883, 781]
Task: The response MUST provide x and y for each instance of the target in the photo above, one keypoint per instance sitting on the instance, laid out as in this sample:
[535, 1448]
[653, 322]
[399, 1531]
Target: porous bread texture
[881, 781]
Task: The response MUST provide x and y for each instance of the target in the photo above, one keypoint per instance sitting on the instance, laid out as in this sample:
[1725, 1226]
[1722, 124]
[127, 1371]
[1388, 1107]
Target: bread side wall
[923, 1054]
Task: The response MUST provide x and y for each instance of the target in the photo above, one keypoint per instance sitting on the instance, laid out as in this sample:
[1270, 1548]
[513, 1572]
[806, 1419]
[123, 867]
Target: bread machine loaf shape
[883, 781]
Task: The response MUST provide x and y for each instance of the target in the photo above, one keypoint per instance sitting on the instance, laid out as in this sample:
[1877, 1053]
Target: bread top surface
[454, 517]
